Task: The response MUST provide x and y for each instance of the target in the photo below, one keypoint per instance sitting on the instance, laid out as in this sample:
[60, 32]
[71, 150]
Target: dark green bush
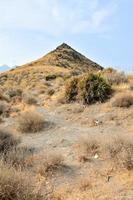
[88, 88]
[14, 92]
[93, 88]
[71, 90]
[50, 77]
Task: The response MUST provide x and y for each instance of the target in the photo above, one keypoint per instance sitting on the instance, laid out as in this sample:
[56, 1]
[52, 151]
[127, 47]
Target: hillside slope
[67, 57]
[61, 63]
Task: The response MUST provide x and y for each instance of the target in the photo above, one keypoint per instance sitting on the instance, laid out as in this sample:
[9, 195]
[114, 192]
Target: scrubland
[66, 135]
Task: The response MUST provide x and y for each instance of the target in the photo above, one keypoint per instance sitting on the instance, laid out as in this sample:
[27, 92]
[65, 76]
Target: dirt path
[62, 133]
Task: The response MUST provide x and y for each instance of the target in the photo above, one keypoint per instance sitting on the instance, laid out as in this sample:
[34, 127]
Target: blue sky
[100, 29]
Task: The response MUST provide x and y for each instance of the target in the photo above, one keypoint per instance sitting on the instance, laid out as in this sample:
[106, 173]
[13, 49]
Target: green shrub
[71, 90]
[88, 88]
[93, 88]
[50, 77]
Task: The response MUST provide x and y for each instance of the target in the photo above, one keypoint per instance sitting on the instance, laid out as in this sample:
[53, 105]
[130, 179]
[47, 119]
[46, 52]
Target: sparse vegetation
[87, 148]
[118, 150]
[123, 100]
[18, 157]
[3, 97]
[14, 92]
[71, 90]
[121, 152]
[114, 77]
[16, 185]
[30, 122]
[29, 99]
[131, 86]
[82, 150]
[4, 108]
[7, 141]
[51, 162]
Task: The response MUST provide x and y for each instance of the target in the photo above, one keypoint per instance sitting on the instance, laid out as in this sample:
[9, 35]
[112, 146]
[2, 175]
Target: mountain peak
[64, 46]
[64, 56]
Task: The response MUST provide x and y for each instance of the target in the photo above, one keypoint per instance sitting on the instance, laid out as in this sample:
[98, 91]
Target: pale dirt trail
[61, 133]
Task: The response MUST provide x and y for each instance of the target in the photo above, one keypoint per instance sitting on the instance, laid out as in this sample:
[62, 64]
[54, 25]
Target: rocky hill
[66, 57]
[61, 63]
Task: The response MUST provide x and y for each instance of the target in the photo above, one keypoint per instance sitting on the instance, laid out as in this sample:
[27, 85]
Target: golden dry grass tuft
[87, 148]
[4, 108]
[117, 150]
[7, 141]
[30, 122]
[114, 77]
[121, 152]
[16, 185]
[19, 157]
[29, 99]
[49, 163]
[123, 100]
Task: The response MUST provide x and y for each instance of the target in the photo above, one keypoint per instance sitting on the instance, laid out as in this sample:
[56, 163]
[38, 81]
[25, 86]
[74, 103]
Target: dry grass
[114, 77]
[131, 86]
[121, 152]
[50, 163]
[84, 184]
[79, 188]
[4, 108]
[100, 190]
[30, 122]
[29, 99]
[1, 120]
[123, 100]
[13, 92]
[117, 150]
[15, 185]
[19, 157]
[87, 148]
[3, 97]
[7, 141]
